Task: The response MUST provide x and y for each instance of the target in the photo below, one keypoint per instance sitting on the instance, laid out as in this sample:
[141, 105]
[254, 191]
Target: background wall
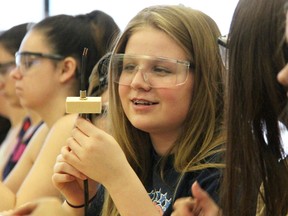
[19, 11]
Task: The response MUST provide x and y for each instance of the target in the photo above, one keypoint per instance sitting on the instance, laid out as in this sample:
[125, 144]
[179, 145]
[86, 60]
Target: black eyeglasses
[5, 67]
[25, 60]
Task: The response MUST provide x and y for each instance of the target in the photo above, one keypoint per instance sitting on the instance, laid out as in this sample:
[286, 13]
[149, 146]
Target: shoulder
[41, 131]
[60, 131]
[64, 124]
[57, 136]
[37, 140]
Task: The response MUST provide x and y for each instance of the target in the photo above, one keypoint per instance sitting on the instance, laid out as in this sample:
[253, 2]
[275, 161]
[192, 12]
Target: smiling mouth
[143, 102]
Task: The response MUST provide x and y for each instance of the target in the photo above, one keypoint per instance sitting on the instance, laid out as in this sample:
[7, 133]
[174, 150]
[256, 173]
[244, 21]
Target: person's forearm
[130, 196]
[8, 200]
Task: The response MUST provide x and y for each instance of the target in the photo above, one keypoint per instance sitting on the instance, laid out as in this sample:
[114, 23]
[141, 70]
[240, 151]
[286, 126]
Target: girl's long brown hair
[255, 100]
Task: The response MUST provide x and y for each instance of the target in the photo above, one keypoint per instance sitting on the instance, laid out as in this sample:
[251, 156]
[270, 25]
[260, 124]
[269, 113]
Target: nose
[140, 81]
[16, 73]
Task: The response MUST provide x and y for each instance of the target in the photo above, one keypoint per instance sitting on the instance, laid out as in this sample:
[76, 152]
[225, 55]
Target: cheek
[180, 98]
[185, 105]
[178, 103]
[10, 87]
[173, 107]
[39, 89]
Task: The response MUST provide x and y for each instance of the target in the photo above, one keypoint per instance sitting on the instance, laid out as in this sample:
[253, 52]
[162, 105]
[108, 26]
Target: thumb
[205, 202]
[197, 192]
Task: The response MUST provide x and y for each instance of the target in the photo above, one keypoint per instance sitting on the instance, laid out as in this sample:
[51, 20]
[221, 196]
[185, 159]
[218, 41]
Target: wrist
[122, 181]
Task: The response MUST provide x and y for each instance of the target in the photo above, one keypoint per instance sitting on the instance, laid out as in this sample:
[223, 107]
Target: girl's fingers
[68, 171]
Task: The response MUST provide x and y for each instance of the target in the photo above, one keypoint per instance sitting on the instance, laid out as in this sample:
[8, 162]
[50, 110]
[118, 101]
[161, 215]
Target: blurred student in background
[24, 122]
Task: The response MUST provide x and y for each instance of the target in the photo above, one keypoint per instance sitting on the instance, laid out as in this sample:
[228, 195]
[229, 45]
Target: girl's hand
[202, 204]
[69, 181]
[95, 153]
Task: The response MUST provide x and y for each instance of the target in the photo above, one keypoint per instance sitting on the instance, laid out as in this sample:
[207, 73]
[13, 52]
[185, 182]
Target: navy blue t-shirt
[163, 192]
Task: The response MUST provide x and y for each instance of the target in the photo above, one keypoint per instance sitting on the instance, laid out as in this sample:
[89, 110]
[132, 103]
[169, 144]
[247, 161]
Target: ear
[68, 70]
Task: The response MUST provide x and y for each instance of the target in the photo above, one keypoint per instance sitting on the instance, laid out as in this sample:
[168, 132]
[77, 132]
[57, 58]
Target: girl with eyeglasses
[48, 65]
[25, 122]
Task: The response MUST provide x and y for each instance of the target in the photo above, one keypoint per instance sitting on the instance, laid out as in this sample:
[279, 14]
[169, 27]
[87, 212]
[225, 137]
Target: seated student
[98, 86]
[256, 180]
[166, 105]
[24, 122]
[48, 71]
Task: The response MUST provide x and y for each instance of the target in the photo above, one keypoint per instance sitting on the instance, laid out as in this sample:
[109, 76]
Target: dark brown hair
[255, 100]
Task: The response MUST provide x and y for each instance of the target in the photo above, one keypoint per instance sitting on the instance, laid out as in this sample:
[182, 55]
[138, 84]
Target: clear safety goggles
[157, 72]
